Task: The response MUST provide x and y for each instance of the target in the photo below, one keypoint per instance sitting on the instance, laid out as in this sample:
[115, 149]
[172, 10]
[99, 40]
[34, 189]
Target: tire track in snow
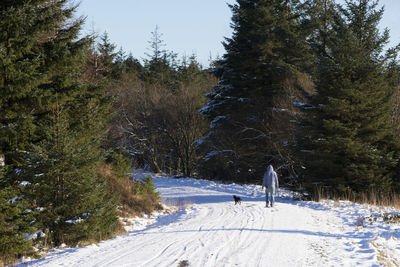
[216, 237]
[215, 233]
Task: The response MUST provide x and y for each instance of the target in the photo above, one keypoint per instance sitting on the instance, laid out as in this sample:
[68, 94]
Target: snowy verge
[205, 228]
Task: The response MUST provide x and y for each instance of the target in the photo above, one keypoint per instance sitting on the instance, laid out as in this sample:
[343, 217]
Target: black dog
[237, 199]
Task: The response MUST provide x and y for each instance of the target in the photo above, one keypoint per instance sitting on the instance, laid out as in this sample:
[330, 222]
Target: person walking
[270, 182]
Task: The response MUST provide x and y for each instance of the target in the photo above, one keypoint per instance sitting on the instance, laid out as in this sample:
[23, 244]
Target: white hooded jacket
[270, 178]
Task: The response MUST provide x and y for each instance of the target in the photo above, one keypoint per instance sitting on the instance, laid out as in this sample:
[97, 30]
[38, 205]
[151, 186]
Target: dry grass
[120, 230]
[383, 258]
[127, 222]
[131, 205]
[84, 243]
[391, 199]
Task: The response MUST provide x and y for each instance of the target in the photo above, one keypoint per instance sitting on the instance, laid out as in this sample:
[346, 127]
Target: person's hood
[270, 168]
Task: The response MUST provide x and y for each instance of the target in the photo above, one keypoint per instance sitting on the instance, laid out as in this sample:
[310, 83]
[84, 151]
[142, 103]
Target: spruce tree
[21, 36]
[103, 64]
[132, 65]
[109, 67]
[20, 76]
[74, 201]
[251, 108]
[159, 67]
[353, 147]
[15, 221]
[53, 121]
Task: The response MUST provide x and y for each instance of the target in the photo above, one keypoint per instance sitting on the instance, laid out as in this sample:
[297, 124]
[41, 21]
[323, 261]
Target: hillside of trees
[307, 86]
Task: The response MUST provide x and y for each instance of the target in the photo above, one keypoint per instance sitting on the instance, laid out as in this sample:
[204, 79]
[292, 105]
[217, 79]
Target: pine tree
[53, 121]
[354, 147]
[108, 64]
[15, 221]
[132, 65]
[78, 206]
[74, 200]
[105, 65]
[321, 14]
[21, 74]
[159, 67]
[251, 107]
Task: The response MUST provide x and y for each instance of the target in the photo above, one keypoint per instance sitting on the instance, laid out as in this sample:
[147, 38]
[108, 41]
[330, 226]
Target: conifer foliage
[20, 77]
[353, 147]
[51, 124]
[251, 107]
[14, 222]
[56, 122]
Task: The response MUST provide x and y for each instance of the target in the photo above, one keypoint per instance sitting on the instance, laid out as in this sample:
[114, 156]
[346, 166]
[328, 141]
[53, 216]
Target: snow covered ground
[207, 229]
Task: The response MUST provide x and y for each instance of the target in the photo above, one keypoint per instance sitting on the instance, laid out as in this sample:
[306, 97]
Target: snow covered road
[209, 230]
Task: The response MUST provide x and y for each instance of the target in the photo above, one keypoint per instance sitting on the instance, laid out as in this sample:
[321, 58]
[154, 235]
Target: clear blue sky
[188, 26]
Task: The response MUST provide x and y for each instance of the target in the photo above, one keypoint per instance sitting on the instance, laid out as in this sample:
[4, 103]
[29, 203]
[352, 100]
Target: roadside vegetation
[307, 86]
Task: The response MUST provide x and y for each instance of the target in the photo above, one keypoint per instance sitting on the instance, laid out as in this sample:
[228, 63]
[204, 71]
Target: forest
[307, 86]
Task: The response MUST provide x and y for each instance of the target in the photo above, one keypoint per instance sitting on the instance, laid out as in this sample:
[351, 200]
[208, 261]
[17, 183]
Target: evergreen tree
[108, 65]
[353, 147]
[251, 107]
[20, 75]
[53, 122]
[74, 200]
[105, 65]
[22, 33]
[321, 13]
[15, 221]
[160, 66]
[132, 65]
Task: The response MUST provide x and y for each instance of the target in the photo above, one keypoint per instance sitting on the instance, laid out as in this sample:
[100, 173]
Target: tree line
[310, 87]
[307, 86]
[77, 115]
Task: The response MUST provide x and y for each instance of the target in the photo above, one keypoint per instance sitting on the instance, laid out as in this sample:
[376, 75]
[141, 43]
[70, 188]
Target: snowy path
[212, 231]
